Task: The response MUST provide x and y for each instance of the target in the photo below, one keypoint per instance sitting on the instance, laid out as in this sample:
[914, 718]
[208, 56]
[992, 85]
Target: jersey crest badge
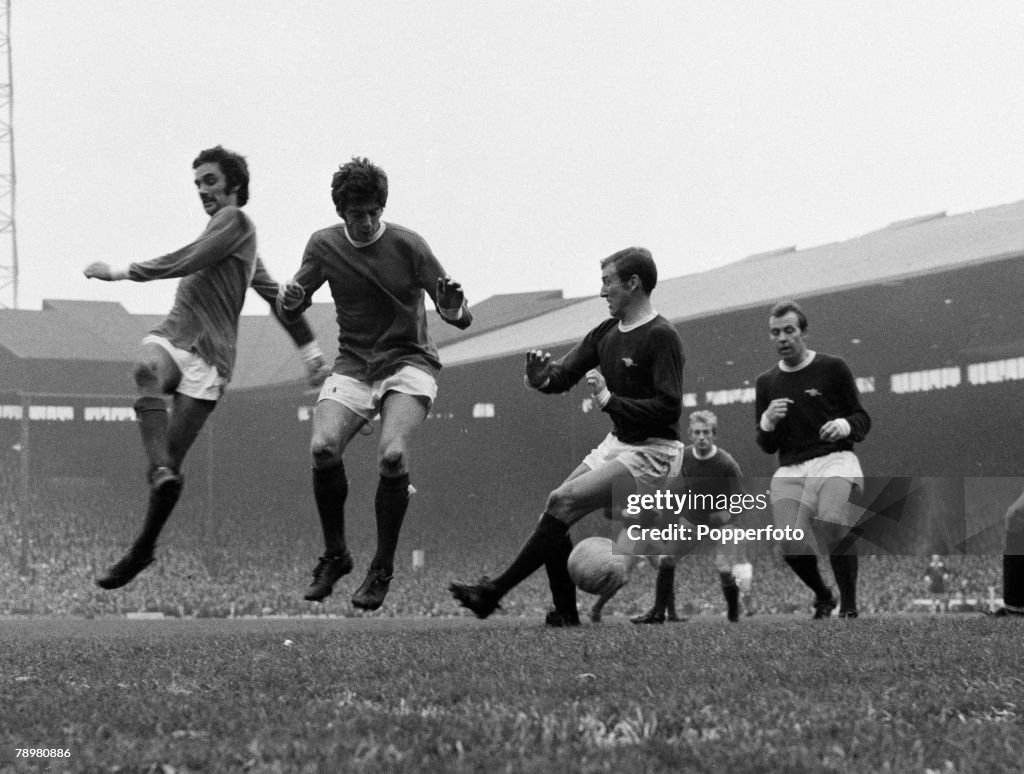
[814, 392]
[629, 362]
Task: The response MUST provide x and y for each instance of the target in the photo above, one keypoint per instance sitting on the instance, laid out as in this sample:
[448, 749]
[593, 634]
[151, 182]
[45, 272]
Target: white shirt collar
[802, 364]
[633, 326]
[714, 451]
[367, 243]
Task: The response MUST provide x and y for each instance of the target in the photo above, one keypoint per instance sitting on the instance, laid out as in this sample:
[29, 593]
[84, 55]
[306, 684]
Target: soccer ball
[595, 569]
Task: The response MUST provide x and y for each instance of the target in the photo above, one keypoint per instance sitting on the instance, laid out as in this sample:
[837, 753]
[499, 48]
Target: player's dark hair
[236, 171]
[358, 181]
[635, 260]
[785, 307]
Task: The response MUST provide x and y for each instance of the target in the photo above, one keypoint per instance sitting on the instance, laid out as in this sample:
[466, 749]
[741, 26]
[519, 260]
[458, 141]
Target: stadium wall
[940, 359]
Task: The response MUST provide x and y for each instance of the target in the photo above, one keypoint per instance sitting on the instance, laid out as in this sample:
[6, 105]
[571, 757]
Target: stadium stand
[925, 311]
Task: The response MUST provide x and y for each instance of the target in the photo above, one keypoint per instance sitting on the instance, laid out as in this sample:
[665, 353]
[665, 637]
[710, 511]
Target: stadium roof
[907, 248]
[103, 331]
[267, 358]
[71, 330]
[509, 323]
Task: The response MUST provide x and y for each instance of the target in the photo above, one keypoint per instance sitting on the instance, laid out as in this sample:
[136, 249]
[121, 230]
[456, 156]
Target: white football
[595, 569]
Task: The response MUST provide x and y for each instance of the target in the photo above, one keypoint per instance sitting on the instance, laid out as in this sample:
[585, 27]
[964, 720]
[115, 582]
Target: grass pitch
[773, 694]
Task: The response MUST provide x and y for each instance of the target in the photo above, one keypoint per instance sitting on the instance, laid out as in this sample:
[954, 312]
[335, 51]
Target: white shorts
[651, 462]
[364, 398]
[199, 379]
[803, 481]
[744, 575]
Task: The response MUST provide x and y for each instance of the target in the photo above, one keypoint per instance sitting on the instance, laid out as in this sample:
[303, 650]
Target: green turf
[783, 694]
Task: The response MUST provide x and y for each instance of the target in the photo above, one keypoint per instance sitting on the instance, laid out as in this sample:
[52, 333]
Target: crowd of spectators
[240, 563]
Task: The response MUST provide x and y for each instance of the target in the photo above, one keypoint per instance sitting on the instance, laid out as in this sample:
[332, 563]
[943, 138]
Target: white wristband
[452, 314]
[603, 397]
[121, 274]
[311, 351]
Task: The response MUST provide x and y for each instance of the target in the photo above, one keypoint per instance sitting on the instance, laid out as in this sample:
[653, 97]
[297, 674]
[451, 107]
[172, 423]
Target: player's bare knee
[562, 505]
[324, 454]
[147, 377]
[393, 460]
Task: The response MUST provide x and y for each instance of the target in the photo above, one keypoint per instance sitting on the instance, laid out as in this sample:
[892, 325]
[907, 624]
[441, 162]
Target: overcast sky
[523, 140]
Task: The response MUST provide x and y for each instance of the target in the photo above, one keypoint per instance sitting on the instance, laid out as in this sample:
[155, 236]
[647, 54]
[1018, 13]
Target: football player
[710, 472]
[387, 365]
[808, 411]
[190, 355]
[639, 385]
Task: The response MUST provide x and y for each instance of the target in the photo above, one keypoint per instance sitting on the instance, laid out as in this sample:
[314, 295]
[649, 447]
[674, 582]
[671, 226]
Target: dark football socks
[563, 590]
[161, 503]
[390, 504]
[844, 568]
[806, 568]
[330, 489]
[664, 591]
[544, 541]
[153, 419]
[1013, 580]
[731, 592]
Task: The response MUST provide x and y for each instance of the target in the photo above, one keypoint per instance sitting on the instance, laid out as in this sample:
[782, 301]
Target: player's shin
[151, 412]
[563, 590]
[535, 551]
[665, 591]
[1013, 580]
[671, 614]
[806, 568]
[844, 568]
[390, 504]
[330, 490]
[161, 502]
[731, 592]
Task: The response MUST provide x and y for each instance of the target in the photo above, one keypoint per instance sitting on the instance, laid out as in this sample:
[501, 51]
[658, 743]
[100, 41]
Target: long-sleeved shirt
[643, 368]
[378, 291]
[715, 480]
[215, 270]
[822, 390]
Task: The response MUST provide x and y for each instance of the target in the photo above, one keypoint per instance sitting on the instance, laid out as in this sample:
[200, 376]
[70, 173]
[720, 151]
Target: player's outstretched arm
[451, 303]
[103, 271]
[538, 369]
[218, 242]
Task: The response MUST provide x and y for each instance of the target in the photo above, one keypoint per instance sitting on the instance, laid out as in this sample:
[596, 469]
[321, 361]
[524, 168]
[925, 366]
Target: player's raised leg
[584, 491]
[334, 426]
[156, 376]
[401, 414]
